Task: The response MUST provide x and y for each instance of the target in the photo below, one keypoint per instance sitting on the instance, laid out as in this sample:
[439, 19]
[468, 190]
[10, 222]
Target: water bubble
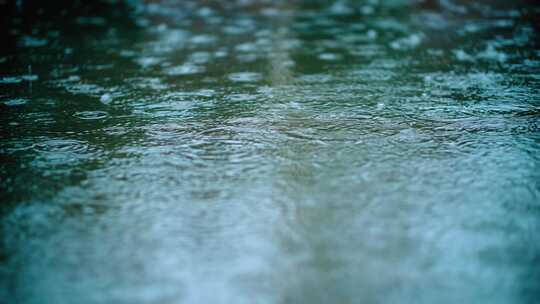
[106, 98]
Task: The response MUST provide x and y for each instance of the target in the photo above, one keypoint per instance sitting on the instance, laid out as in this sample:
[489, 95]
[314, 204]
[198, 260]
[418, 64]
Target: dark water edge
[270, 152]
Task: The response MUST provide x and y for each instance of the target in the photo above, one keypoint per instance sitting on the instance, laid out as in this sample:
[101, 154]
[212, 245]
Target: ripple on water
[57, 155]
[10, 80]
[407, 43]
[61, 146]
[16, 102]
[241, 97]
[84, 89]
[245, 77]
[91, 115]
[329, 57]
[315, 78]
[203, 39]
[200, 57]
[185, 69]
[146, 62]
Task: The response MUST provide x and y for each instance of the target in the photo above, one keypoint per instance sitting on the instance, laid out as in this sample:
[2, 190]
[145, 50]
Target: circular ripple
[91, 115]
[61, 146]
[16, 102]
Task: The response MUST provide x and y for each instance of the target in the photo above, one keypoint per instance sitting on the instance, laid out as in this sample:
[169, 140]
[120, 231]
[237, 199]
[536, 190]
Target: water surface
[270, 152]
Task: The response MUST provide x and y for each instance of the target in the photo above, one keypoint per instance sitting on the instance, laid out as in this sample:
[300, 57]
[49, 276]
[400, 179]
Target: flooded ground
[270, 152]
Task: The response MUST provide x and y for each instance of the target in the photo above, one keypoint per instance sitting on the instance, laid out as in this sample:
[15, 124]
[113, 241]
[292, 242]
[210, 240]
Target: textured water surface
[270, 152]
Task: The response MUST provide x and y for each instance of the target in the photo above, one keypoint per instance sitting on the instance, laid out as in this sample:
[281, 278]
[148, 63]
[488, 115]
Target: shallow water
[270, 152]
